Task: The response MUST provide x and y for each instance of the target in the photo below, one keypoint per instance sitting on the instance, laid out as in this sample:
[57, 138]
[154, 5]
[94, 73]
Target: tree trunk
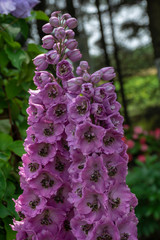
[41, 6]
[118, 64]
[153, 10]
[107, 60]
[71, 10]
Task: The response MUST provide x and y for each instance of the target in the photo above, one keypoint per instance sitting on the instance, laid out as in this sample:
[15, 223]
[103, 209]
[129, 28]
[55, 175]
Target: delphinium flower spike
[75, 166]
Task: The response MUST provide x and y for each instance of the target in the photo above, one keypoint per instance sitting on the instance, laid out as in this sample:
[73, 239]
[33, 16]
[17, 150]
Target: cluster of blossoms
[18, 8]
[74, 171]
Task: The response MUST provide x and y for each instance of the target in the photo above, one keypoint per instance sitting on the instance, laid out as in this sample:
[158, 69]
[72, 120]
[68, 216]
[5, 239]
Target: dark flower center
[89, 136]
[59, 196]
[104, 235]
[60, 110]
[53, 92]
[95, 176]
[46, 182]
[33, 137]
[49, 131]
[65, 144]
[66, 225]
[44, 150]
[87, 90]
[99, 109]
[59, 165]
[63, 69]
[81, 109]
[46, 220]
[108, 140]
[94, 204]
[79, 192]
[39, 79]
[34, 112]
[124, 236]
[102, 93]
[112, 171]
[115, 203]
[33, 167]
[81, 166]
[22, 216]
[86, 228]
[34, 203]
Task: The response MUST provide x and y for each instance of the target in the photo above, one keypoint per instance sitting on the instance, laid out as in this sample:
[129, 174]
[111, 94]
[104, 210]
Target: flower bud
[47, 28]
[40, 62]
[56, 46]
[74, 85]
[66, 16]
[79, 71]
[71, 23]
[48, 41]
[74, 55]
[84, 65]
[71, 44]
[55, 14]
[70, 34]
[60, 33]
[86, 76]
[96, 77]
[108, 73]
[52, 57]
[54, 21]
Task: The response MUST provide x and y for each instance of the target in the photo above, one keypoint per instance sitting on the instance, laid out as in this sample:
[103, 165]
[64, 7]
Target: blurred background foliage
[121, 33]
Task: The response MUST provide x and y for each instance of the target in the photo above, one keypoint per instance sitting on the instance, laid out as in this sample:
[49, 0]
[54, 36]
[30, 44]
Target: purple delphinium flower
[73, 175]
[51, 92]
[79, 109]
[7, 6]
[18, 8]
[30, 204]
[64, 70]
[58, 112]
[41, 78]
[88, 137]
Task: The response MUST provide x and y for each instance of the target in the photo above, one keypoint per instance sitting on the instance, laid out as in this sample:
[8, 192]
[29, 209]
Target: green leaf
[5, 126]
[15, 109]
[2, 185]
[24, 27]
[16, 56]
[5, 156]
[12, 84]
[5, 141]
[40, 15]
[10, 234]
[3, 211]
[11, 29]
[3, 59]
[9, 40]
[36, 48]
[17, 147]
[10, 190]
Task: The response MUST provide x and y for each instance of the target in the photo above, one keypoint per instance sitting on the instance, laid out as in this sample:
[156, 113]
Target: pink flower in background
[142, 140]
[138, 130]
[141, 158]
[144, 147]
[130, 143]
